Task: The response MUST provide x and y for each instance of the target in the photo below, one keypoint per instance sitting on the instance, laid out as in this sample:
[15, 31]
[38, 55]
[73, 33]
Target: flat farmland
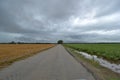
[12, 52]
[108, 51]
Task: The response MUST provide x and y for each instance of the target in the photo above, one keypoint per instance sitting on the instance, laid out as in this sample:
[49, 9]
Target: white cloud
[103, 32]
[86, 19]
[83, 22]
[109, 18]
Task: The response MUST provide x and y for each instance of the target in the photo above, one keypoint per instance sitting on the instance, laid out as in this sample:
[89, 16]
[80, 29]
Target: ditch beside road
[101, 73]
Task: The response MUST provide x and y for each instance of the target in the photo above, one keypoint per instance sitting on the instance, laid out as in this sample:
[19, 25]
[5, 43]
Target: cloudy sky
[51, 20]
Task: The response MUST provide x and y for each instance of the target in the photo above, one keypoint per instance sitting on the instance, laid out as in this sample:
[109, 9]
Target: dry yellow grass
[11, 52]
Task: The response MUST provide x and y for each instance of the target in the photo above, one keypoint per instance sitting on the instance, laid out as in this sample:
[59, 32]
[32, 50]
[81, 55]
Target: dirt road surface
[53, 64]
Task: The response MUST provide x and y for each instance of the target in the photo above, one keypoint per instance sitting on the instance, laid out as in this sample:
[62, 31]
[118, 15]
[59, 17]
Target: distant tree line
[14, 42]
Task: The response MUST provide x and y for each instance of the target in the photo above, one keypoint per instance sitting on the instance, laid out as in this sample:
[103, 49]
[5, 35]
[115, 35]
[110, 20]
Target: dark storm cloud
[108, 7]
[50, 20]
[8, 23]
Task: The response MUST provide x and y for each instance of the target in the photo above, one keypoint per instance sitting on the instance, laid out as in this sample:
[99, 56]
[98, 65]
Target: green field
[108, 51]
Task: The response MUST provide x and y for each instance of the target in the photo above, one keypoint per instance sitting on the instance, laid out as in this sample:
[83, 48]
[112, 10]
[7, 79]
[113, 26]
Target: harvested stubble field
[12, 52]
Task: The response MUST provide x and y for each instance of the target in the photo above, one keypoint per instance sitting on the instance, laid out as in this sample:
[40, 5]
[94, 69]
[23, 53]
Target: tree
[12, 42]
[60, 42]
